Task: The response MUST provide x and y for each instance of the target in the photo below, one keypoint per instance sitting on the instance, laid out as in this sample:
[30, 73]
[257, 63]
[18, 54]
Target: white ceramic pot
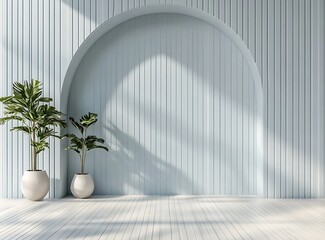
[82, 185]
[35, 184]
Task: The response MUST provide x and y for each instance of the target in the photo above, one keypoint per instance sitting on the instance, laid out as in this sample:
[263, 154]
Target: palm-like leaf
[6, 119]
[77, 125]
[31, 109]
[22, 129]
[91, 141]
[84, 143]
[45, 99]
[95, 146]
[74, 148]
[88, 119]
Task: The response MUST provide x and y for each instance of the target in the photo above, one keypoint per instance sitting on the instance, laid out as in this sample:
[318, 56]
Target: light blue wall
[177, 101]
[286, 38]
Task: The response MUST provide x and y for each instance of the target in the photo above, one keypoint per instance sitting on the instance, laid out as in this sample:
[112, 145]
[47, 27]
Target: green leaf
[5, 99]
[88, 119]
[69, 135]
[77, 125]
[28, 106]
[100, 140]
[22, 129]
[72, 148]
[12, 117]
[45, 99]
[94, 146]
[89, 142]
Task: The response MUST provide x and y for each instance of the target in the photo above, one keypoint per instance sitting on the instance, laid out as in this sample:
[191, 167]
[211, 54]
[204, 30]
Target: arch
[183, 10]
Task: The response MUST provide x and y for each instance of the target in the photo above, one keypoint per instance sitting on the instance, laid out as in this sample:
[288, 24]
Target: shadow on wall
[167, 102]
[152, 181]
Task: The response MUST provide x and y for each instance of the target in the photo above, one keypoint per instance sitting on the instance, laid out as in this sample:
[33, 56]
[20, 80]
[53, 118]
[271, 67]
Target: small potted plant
[82, 185]
[37, 119]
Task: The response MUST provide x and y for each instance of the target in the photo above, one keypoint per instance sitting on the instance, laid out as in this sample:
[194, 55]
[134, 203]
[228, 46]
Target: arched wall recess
[108, 26]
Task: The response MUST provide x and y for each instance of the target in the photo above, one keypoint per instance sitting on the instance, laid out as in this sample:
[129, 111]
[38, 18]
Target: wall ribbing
[177, 104]
[286, 39]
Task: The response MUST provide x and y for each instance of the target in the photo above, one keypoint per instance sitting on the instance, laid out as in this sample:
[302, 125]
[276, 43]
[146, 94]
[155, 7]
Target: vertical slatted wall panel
[285, 37]
[198, 86]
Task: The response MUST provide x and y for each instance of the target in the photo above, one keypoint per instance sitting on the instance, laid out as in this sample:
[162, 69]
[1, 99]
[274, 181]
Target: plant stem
[33, 149]
[83, 151]
[82, 160]
[33, 152]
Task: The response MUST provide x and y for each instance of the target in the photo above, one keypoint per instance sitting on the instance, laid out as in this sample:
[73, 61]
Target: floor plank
[162, 217]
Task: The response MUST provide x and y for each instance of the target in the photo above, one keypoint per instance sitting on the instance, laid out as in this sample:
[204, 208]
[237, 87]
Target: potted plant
[37, 119]
[82, 185]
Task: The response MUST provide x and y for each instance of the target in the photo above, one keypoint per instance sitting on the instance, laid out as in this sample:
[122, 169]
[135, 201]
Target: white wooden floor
[162, 217]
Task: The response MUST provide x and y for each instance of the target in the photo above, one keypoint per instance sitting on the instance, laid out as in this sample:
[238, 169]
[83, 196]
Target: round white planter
[82, 185]
[35, 184]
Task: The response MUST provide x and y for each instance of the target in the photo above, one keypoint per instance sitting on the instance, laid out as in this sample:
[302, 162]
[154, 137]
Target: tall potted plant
[37, 119]
[82, 185]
